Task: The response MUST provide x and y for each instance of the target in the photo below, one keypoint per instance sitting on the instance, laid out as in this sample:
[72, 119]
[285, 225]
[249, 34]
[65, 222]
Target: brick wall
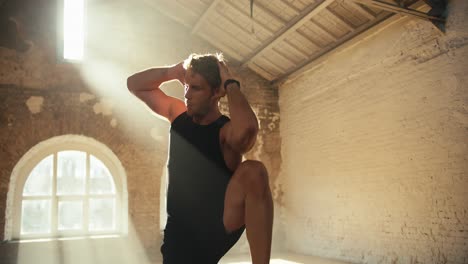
[375, 148]
[42, 97]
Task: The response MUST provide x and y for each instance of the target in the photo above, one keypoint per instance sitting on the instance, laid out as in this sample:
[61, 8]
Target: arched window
[67, 186]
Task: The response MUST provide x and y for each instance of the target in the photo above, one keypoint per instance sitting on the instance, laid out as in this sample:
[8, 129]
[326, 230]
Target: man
[212, 195]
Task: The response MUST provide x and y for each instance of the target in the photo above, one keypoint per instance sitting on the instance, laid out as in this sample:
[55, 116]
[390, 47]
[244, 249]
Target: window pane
[101, 181]
[39, 182]
[71, 172]
[70, 215]
[35, 217]
[101, 214]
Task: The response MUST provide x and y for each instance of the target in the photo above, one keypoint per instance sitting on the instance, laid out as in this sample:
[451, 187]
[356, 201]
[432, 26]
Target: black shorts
[204, 244]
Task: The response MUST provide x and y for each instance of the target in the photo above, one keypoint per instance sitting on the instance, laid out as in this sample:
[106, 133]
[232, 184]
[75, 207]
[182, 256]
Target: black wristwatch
[229, 81]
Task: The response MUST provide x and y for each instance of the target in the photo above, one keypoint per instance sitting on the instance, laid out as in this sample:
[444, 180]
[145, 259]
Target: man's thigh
[202, 244]
[234, 204]
[248, 173]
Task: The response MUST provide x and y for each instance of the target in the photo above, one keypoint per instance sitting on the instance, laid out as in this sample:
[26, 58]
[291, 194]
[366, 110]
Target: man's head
[202, 82]
[207, 66]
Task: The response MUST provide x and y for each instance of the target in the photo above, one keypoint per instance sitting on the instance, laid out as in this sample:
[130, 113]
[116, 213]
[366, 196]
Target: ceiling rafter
[284, 57]
[269, 12]
[311, 40]
[296, 23]
[381, 17]
[295, 9]
[365, 12]
[361, 29]
[264, 73]
[398, 9]
[247, 17]
[245, 32]
[204, 16]
[296, 48]
[220, 31]
[272, 65]
[342, 20]
[288, 43]
[324, 30]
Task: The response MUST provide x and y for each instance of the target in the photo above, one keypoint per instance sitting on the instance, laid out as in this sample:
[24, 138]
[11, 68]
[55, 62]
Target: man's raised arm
[145, 85]
[241, 131]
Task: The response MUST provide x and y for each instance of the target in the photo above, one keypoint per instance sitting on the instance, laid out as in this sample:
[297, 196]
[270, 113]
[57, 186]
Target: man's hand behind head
[178, 72]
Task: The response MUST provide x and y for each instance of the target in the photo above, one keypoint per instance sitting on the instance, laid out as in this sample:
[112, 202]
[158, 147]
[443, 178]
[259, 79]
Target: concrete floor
[281, 258]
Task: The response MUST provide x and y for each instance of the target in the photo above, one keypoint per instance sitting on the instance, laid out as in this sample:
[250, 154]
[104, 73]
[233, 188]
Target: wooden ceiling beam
[399, 10]
[342, 21]
[324, 30]
[381, 17]
[264, 73]
[371, 26]
[290, 27]
[297, 49]
[365, 12]
[204, 16]
[295, 9]
[268, 12]
[247, 17]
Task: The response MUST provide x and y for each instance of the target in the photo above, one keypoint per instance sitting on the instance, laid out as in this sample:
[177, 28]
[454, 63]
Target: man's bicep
[241, 144]
[232, 157]
[161, 103]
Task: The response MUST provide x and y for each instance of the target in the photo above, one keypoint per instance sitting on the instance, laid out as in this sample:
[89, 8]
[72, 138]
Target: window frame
[51, 146]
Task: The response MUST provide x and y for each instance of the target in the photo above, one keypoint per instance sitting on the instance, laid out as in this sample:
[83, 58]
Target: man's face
[198, 94]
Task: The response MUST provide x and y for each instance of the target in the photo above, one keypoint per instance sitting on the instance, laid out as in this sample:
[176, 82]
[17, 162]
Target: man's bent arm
[244, 125]
[151, 79]
[145, 85]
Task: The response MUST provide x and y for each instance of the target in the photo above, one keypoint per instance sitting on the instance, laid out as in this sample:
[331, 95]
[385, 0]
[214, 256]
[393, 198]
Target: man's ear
[221, 92]
[215, 92]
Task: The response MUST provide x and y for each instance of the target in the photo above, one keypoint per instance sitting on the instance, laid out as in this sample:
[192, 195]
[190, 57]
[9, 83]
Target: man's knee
[254, 175]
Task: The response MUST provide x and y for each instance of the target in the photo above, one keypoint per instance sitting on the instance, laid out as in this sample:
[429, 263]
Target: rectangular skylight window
[73, 26]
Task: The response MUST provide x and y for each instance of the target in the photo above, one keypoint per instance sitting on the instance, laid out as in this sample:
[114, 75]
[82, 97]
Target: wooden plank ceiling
[282, 36]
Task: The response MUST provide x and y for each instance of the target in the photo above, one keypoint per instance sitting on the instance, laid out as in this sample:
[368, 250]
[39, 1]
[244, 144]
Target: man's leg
[248, 201]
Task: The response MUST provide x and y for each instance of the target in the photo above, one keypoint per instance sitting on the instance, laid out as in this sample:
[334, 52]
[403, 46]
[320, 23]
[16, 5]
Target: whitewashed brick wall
[375, 148]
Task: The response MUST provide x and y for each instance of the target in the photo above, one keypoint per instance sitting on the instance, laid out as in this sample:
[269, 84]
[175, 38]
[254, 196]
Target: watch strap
[229, 81]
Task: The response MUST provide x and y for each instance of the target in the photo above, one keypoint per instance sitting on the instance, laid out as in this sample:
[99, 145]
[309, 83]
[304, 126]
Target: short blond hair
[207, 66]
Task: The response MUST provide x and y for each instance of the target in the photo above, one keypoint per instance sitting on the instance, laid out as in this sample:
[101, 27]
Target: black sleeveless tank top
[198, 175]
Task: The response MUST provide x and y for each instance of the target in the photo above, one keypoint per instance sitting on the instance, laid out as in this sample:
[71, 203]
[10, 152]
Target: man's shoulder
[180, 123]
[180, 118]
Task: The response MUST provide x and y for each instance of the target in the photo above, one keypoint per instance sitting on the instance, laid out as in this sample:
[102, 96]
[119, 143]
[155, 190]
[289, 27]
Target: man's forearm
[243, 119]
[151, 79]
